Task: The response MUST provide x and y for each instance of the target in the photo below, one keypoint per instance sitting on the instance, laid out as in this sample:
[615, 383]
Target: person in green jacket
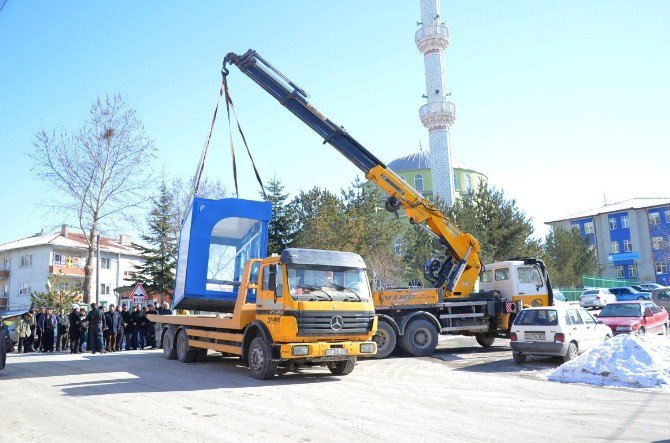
[24, 333]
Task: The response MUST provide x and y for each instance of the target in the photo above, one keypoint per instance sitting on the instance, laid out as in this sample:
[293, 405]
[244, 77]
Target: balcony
[437, 115]
[431, 38]
[66, 270]
[4, 271]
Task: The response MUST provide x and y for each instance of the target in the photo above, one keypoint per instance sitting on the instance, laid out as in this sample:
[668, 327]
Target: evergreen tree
[502, 230]
[57, 294]
[569, 256]
[282, 226]
[157, 272]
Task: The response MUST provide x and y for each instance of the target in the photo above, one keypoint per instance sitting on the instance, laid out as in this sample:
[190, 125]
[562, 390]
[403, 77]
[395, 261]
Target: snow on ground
[627, 360]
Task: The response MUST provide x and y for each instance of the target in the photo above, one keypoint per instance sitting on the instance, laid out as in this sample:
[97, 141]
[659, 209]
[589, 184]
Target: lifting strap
[203, 156]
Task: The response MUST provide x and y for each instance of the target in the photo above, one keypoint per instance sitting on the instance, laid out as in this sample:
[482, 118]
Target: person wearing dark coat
[137, 323]
[38, 343]
[127, 327]
[48, 326]
[114, 325]
[95, 320]
[63, 326]
[75, 331]
[118, 339]
[4, 338]
[150, 328]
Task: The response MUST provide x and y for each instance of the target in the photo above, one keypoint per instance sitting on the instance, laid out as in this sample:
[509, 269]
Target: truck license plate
[336, 351]
[534, 335]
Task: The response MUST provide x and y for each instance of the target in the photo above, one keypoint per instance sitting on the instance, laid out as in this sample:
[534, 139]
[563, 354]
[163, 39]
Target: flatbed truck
[312, 308]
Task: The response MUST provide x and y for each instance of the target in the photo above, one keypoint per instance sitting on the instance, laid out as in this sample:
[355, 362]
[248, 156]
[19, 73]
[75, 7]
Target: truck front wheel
[184, 352]
[485, 340]
[261, 365]
[420, 338]
[386, 339]
[343, 367]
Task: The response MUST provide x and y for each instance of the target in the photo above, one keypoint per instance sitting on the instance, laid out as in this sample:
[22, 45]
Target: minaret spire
[438, 114]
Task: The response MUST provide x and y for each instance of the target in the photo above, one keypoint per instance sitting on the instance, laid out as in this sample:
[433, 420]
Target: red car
[635, 316]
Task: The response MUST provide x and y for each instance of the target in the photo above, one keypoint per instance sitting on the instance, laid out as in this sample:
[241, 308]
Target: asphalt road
[462, 392]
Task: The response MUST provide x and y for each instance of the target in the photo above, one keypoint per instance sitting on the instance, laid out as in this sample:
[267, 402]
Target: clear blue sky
[557, 102]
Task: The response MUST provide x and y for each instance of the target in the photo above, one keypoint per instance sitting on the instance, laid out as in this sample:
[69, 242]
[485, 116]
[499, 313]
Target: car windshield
[310, 283]
[537, 317]
[622, 310]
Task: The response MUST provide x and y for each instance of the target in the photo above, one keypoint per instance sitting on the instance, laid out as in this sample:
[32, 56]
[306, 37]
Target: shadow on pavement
[146, 371]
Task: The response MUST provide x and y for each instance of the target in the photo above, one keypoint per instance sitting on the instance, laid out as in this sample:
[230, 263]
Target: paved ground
[461, 393]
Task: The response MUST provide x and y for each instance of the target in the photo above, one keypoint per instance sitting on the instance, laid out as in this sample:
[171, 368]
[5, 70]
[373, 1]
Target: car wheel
[664, 330]
[640, 298]
[607, 337]
[519, 359]
[571, 353]
[641, 331]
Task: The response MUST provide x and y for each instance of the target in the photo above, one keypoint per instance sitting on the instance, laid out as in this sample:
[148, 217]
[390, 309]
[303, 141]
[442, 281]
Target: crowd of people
[97, 330]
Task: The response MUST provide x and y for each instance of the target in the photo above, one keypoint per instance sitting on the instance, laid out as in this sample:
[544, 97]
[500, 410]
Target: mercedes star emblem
[336, 323]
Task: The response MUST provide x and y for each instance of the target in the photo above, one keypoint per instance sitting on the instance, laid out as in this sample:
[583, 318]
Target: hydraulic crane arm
[458, 272]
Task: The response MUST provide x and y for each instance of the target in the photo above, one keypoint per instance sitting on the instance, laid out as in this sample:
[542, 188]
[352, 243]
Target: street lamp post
[97, 270]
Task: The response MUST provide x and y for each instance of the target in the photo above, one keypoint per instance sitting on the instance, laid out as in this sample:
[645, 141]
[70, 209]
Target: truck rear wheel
[485, 340]
[420, 338]
[261, 365]
[343, 367]
[386, 339]
[169, 348]
[184, 352]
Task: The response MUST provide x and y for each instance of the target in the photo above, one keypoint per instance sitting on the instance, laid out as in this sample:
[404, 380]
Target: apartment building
[26, 265]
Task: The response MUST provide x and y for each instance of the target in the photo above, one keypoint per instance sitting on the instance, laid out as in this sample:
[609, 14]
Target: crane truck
[413, 318]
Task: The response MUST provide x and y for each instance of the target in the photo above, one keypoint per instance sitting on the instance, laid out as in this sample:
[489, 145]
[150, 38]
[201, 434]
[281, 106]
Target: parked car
[648, 287]
[562, 331]
[596, 298]
[635, 316]
[559, 297]
[628, 293]
[661, 297]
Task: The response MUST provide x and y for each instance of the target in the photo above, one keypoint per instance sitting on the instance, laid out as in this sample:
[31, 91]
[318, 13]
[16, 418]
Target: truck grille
[334, 322]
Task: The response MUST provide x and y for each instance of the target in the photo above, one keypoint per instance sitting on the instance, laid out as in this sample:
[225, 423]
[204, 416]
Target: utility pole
[97, 270]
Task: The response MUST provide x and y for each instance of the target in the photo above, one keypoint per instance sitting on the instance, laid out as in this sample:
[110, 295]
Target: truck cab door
[270, 299]
[529, 283]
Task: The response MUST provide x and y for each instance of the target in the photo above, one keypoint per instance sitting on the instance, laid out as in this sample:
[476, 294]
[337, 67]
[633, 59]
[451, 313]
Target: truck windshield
[319, 283]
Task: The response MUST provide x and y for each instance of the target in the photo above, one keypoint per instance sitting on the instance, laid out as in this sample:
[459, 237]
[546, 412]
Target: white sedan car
[561, 331]
[596, 298]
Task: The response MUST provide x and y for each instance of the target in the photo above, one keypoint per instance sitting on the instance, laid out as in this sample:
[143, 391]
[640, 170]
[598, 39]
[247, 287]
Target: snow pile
[627, 360]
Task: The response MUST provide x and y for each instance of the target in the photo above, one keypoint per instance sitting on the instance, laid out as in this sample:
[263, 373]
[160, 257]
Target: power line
[3, 5]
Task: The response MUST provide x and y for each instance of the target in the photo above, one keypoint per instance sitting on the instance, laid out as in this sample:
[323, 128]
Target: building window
[666, 213]
[60, 260]
[26, 260]
[588, 228]
[24, 288]
[104, 288]
[627, 246]
[456, 187]
[615, 247]
[661, 268]
[105, 263]
[657, 243]
[468, 183]
[619, 271]
[632, 270]
[612, 224]
[654, 218]
[624, 221]
[418, 182]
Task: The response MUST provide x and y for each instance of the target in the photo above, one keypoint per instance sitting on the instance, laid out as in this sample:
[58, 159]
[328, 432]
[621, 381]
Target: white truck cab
[516, 280]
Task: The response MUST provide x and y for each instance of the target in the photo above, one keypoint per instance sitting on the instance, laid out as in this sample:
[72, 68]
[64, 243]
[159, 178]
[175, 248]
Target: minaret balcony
[437, 115]
[431, 38]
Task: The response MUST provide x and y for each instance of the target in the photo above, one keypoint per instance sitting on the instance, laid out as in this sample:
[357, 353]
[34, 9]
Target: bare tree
[182, 194]
[101, 168]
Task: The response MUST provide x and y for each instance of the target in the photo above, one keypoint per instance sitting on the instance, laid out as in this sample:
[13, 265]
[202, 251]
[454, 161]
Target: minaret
[438, 114]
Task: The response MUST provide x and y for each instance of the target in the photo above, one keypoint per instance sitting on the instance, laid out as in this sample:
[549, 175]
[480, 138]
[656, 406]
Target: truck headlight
[368, 348]
[300, 350]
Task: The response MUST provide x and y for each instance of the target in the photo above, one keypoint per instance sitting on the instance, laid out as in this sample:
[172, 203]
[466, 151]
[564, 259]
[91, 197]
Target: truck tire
[261, 365]
[420, 338]
[485, 340]
[184, 352]
[169, 348]
[343, 367]
[386, 339]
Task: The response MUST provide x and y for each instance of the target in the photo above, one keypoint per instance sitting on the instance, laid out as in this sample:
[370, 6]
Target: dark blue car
[627, 293]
